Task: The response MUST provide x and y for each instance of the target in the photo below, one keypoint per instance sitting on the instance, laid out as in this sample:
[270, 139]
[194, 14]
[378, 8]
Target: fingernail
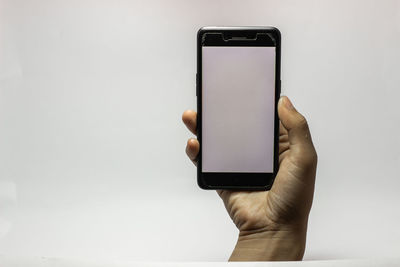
[288, 103]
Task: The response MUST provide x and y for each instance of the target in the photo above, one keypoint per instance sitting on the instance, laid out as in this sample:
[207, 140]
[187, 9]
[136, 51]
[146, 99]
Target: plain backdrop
[92, 162]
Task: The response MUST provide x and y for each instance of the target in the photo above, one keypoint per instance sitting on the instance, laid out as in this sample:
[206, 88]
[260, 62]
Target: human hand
[273, 224]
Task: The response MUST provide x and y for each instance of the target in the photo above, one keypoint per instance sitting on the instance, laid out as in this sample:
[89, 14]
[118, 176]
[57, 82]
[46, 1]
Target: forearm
[281, 245]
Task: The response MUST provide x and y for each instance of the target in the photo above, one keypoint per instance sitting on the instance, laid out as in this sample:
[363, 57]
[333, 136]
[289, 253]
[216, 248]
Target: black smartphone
[237, 89]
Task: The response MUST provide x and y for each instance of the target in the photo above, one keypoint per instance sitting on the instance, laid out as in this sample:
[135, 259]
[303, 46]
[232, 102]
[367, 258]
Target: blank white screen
[238, 98]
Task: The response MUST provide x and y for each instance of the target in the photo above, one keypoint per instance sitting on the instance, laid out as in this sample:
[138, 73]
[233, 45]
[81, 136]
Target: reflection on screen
[238, 98]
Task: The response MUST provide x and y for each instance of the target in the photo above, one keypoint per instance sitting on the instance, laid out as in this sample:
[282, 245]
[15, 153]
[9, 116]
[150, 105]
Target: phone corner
[277, 34]
[277, 31]
[201, 31]
[267, 187]
[201, 184]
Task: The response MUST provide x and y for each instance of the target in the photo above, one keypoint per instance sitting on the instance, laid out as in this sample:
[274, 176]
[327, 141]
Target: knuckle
[306, 158]
[302, 123]
[315, 158]
[311, 159]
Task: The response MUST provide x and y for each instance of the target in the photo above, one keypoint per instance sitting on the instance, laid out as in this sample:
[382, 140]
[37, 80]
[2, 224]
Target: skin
[273, 224]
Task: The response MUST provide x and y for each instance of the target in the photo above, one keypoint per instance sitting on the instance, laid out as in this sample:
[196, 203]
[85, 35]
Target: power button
[279, 92]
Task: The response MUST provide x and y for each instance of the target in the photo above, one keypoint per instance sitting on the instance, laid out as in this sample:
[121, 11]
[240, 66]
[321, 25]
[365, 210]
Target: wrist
[282, 244]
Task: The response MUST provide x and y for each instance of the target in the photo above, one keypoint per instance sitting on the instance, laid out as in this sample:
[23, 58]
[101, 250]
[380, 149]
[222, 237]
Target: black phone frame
[237, 36]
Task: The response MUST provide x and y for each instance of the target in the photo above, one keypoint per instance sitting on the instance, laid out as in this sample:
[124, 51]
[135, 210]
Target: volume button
[197, 84]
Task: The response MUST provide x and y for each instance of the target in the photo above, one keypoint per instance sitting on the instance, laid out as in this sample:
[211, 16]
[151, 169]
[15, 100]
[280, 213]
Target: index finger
[189, 118]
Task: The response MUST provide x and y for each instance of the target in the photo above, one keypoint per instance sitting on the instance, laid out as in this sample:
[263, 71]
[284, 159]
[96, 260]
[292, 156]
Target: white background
[92, 162]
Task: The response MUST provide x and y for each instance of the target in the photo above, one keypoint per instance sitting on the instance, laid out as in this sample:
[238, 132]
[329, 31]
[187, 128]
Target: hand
[272, 224]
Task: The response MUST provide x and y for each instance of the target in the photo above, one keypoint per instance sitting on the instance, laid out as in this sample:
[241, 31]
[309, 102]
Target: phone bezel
[229, 180]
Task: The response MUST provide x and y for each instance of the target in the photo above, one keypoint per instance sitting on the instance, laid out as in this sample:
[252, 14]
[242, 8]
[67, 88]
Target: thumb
[294, 122]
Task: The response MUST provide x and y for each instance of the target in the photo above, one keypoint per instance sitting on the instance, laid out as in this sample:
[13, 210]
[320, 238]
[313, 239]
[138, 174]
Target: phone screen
[238, 103]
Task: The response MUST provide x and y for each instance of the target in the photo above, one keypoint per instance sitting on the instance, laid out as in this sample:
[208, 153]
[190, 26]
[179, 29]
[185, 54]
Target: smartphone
[237, 89]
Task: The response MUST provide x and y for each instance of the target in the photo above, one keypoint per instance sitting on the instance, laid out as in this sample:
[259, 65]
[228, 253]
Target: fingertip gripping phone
[238, 88]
